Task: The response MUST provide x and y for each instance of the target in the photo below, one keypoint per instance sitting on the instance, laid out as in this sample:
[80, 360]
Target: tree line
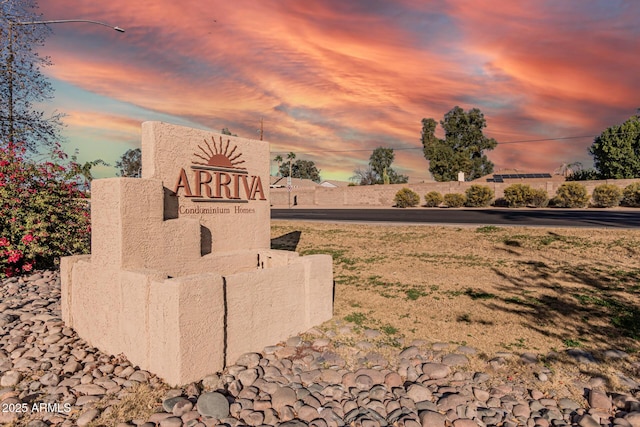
[616, 154]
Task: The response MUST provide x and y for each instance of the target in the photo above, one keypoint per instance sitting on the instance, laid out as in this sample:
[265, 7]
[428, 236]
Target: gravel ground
[336, 375]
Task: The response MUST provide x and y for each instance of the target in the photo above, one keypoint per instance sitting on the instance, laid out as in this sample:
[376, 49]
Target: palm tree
[291, 156]
[568, 169]
[278, 160]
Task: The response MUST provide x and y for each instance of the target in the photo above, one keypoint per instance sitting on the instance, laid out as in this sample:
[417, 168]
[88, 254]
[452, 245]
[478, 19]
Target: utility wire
[562, 138]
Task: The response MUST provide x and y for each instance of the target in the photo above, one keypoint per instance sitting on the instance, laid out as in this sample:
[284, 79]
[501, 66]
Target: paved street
[620, 218]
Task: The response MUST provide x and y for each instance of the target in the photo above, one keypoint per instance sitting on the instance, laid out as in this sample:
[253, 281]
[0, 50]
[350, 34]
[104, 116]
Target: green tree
[381, 159]
[364, 176]
[304, 169]
[385, 177]
[23, 87]
[291, 157]
[616, 151]
[584, 175]
[380, 163]
[84, 170]
[463, 148]
[130, 164]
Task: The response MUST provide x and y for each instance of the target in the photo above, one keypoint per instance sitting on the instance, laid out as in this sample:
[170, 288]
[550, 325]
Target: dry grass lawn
[492, 288]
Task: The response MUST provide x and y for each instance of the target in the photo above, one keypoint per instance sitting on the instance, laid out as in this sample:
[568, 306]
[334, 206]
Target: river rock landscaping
[337, 375]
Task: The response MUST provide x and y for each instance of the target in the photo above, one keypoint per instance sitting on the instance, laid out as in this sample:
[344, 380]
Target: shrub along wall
[384, 195]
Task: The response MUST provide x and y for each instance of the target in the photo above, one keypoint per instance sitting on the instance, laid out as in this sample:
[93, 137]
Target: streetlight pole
[11, 57]
[290, 156]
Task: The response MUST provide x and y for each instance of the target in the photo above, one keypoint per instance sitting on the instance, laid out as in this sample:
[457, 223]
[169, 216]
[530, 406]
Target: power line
[547, 139]
[420, 148]
[562, 138]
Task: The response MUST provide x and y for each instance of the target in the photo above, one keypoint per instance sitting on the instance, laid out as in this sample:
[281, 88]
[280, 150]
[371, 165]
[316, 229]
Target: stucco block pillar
[186, 330]
[66, 285]
[318, 289]
[126, 210]
[264, 307]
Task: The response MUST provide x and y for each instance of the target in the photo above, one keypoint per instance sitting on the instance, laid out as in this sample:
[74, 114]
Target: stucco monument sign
[181, 278]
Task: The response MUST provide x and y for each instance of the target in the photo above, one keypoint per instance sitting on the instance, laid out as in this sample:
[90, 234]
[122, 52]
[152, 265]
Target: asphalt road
[523, 217]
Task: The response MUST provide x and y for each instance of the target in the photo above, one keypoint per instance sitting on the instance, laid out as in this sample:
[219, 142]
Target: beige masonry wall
[181, 278]
[383, 195]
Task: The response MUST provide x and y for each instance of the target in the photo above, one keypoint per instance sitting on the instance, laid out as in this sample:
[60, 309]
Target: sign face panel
[219, 178]
[214, 178]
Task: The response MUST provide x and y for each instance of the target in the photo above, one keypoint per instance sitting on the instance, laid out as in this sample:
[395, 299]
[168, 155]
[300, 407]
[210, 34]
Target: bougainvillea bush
[44, 213]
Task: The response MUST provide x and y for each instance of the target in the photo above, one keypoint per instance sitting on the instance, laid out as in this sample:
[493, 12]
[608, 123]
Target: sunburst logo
[217, 175]
[219, 157]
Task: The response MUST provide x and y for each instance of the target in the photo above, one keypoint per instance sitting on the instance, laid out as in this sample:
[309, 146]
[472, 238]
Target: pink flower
[14, 256]
[27, 267]
[4, 242]
[27, 238]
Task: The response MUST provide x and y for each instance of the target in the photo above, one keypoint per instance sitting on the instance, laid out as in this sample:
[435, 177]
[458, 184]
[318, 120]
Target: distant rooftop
[281, 182]
[502, 177]
[514, 174]
[332, 183]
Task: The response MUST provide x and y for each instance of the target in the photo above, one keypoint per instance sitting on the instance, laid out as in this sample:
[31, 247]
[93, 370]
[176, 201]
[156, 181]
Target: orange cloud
[337, 76]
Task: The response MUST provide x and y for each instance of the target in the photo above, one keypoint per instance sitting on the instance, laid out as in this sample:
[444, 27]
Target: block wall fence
[383, 195]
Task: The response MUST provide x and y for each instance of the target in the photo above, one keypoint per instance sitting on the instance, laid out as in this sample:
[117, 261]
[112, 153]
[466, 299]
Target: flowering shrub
[44, 214]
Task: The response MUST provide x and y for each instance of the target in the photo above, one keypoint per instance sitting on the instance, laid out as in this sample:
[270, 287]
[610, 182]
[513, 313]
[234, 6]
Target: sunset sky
[335, 79]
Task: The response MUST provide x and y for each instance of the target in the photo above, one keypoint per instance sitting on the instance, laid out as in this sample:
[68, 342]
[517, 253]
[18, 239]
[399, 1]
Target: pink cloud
[337, 75]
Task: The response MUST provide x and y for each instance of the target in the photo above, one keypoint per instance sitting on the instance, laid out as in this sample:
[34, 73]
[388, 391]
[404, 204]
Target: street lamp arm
[64, 21]
[10, 57]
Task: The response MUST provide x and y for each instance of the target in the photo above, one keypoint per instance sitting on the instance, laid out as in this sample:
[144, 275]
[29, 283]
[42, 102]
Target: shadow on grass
[596, 302]
[287, 242]
[594, 305]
